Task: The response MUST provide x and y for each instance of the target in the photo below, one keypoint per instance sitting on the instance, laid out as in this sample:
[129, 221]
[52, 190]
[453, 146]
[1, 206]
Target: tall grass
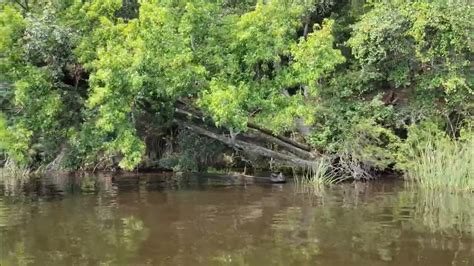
[319, 176]
[443, 164]
[10, 169]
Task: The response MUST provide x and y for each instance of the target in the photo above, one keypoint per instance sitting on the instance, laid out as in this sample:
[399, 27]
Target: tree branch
[284, 139]
[248, 147]
[21, 5]
[267, 132]
[291, 148]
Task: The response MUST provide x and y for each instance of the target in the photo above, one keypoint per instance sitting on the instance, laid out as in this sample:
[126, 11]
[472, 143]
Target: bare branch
[249, 147]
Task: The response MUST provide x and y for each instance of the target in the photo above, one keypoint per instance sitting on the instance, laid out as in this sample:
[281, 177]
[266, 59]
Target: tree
[88, 82]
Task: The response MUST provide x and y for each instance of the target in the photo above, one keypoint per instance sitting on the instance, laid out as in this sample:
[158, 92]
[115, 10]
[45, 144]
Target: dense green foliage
[86, 83]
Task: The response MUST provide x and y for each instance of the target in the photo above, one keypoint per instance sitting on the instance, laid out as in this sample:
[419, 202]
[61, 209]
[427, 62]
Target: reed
[321, 175]
[443, 164]
[10, 169]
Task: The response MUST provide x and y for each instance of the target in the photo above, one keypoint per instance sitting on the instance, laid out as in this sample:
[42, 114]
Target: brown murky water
[141, 221]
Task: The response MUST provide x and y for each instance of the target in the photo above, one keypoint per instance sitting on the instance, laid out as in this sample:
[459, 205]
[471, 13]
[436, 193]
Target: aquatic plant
[319, 176]
[443, 164]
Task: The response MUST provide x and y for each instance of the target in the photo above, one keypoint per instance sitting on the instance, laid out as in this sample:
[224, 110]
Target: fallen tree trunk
[282, 138]
[248, 147]
[271, 139]
[299, 149]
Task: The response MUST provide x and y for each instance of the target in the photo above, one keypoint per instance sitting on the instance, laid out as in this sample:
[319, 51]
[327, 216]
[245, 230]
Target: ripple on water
[94, 220]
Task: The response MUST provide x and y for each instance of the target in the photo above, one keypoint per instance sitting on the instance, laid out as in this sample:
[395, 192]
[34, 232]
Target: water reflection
[147, 220]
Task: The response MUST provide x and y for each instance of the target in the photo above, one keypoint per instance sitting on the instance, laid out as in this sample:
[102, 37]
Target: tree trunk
[250, 147]
[271, 139]
[263, 131]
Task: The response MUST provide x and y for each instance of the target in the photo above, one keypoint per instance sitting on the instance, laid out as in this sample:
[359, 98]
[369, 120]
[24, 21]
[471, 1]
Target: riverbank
[293, 85]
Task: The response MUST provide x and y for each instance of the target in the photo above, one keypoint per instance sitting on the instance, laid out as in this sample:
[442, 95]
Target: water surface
[141, 220]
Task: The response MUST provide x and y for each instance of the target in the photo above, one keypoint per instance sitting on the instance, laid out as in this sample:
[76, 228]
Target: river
[142, 220]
